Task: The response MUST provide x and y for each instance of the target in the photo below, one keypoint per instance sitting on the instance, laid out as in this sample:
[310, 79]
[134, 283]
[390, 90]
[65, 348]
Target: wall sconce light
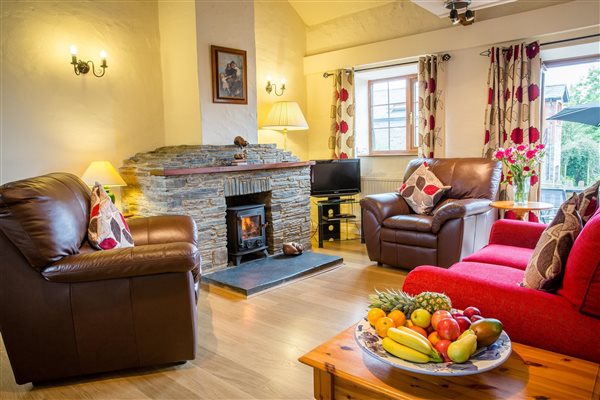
[83, 67]
[272, 87]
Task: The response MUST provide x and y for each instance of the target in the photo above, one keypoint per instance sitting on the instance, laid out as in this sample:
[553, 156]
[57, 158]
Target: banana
[404, 352]
[403, 337]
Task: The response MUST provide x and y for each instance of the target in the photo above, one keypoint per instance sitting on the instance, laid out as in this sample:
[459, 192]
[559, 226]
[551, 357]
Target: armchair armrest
[455, 208]
[511, 232]
[163, 229]
[385, 205]
[125, 262]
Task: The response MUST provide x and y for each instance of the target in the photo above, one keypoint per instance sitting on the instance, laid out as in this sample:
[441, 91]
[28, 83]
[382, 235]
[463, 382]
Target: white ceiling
[437, 6]
[314, 12]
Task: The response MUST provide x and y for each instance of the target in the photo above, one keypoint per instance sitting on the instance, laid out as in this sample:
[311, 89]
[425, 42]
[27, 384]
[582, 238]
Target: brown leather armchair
[67, 309]
[459, 224]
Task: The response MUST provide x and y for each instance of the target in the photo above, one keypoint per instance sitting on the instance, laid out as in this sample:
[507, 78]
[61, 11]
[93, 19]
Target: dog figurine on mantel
[292, 249]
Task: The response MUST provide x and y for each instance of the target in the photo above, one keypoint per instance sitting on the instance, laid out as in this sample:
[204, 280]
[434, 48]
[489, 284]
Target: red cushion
[581, 283]
[510, 256]
[530, 316]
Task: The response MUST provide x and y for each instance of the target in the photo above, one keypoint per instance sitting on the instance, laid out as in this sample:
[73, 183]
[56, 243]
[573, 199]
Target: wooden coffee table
[342, 370]
[521, 211]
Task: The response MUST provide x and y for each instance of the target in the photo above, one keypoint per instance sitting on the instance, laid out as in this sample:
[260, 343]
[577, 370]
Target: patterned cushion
[588, 202]
[547, 264]
[422, 190]
[107, 229]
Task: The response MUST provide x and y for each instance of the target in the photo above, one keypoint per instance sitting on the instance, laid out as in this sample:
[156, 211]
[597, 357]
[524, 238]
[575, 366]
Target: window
[392, 107]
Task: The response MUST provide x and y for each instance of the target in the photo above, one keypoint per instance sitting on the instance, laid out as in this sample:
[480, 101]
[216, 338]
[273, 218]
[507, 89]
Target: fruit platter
[424, 334]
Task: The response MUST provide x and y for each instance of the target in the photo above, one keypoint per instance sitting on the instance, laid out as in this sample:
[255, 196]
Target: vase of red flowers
[521, 162]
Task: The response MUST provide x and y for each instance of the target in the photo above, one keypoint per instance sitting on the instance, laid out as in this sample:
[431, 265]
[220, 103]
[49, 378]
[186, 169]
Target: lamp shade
[286, 115]
[104, 173]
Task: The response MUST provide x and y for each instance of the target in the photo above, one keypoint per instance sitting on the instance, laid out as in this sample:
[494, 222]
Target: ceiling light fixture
[455, 7]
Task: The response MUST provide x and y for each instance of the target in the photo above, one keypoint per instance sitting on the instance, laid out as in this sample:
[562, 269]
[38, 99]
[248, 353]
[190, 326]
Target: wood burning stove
[246, 231]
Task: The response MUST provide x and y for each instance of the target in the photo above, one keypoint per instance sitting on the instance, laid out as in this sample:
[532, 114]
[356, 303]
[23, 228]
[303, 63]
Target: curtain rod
[487, 52]
[445, 57]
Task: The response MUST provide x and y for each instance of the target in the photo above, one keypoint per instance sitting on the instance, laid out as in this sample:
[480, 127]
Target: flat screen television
[334, 178]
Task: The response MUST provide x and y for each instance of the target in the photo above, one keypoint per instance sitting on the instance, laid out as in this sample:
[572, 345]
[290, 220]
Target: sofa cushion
[45, 217]
[588, 202]
[107, 229]
[422, 190]
[546, 267]
[581, 283]
[510, 256]
[410, 222]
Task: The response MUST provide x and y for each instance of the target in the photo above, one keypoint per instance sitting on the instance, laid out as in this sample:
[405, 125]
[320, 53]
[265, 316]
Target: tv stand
[330, 217]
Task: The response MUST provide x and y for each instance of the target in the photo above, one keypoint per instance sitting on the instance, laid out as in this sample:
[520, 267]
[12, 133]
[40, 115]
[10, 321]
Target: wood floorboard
[247, 348]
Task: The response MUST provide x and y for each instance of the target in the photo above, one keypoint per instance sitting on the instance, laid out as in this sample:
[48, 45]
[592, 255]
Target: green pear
[462, 349]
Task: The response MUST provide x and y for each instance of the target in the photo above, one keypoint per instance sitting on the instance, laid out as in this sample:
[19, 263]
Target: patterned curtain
[512, 113]
[432, 82]
[341, 138]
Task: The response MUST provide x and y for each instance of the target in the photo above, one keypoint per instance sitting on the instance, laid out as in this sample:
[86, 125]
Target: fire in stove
[250, 227]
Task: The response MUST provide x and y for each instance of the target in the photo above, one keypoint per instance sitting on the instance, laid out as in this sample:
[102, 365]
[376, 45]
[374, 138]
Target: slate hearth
[198, 180]
[255, 276]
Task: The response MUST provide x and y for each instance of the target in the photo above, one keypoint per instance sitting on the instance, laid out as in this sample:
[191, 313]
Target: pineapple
[398, 300]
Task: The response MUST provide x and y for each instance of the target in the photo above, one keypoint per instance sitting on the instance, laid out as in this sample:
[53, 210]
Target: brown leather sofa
[67, 309]
[459, 224]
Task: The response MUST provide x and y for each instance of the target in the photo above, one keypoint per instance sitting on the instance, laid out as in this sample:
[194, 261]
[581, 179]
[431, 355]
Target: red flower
[425, 163]
[499, 154]
[526, 168]
[532, 50]
[431, 122]
[487, 136]
[430, 189]
[540, 146]
[534, 134]
[517, 135]
[533, 180]
[432, 85]
[511, 160]
[343, 127]
[519, 94]
[534, 92]
[521, 147]
[530, 154]
[343, 156]
[343, 95]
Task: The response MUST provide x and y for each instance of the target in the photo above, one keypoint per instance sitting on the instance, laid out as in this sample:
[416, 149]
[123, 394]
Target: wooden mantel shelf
[229, 168]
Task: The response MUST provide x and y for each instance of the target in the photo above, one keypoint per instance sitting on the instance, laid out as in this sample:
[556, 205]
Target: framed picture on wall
[229, 79]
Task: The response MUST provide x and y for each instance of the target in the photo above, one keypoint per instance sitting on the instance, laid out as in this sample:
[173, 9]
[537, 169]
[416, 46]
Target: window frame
[411, 129]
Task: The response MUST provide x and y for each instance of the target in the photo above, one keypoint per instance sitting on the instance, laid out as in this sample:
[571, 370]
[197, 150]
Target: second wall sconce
[83, 67]
[272, 87]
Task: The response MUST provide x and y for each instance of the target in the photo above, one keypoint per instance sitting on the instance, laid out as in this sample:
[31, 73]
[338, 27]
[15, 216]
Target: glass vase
[521, 187]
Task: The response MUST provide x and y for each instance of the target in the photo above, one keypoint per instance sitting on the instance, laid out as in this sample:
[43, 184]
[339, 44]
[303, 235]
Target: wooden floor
[248, 348]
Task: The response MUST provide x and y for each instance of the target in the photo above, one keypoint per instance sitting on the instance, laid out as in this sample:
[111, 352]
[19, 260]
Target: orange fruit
[398, 317]
[382, 325]
[418, 329]
[434, 337]
[409, 323]
[374, 314]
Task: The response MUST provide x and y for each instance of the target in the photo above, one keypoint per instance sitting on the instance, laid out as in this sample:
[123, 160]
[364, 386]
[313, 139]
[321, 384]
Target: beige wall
[280, 49]
[53, 120]
[232, 26]
[466, 74]
[177, 24]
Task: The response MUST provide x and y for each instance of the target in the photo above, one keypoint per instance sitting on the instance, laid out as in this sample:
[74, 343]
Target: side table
[521, 210]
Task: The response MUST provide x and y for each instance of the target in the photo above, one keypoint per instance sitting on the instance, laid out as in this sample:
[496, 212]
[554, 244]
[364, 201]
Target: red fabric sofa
[566, 322]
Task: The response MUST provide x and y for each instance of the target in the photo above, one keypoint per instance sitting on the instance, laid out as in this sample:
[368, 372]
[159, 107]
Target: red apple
[463, 323]
[457, 314]
[476, 318]
[442, 347]
[438, 316]
[470, 311]
[448, 329]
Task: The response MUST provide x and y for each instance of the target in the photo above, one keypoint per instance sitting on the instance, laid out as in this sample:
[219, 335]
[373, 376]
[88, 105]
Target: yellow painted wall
[53, 120]
[280, 49]
[179, 62]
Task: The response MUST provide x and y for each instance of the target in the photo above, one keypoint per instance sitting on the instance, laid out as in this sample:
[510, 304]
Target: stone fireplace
[198, 181]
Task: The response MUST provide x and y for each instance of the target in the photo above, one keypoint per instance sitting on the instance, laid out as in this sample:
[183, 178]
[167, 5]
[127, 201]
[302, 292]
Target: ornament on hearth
[240, 141]
[292, 248]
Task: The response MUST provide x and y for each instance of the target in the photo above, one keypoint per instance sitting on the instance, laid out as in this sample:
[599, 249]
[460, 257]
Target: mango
[461, 350]
[487, 330]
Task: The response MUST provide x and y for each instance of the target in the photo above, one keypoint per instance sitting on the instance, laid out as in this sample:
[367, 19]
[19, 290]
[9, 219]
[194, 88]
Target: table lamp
[104, 173]
[284, 116]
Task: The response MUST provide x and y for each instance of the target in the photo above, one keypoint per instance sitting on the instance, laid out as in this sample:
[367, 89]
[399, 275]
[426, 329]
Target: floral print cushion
[422, 190]
[107, 229]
